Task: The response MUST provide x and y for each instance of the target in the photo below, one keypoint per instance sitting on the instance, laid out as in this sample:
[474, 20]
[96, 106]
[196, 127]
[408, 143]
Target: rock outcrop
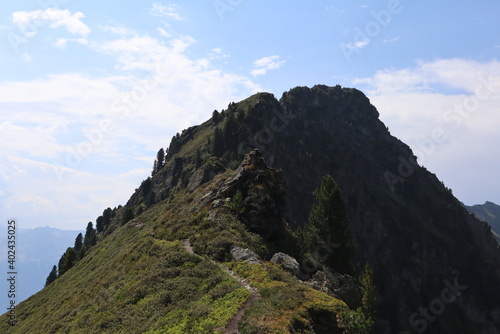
[287, 262]
[263, 191]
[244, 254]
[337, 285]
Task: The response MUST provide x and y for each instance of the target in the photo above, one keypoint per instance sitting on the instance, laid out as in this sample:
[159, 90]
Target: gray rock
[337, 285]
[211, 215]
[287, 262]
[244, 254]
[217, 203]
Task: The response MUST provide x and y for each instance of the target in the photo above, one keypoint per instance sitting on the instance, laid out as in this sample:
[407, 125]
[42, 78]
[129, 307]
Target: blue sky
[90, 91]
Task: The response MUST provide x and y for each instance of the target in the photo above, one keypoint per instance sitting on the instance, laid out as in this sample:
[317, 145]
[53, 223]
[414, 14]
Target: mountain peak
[246, 178]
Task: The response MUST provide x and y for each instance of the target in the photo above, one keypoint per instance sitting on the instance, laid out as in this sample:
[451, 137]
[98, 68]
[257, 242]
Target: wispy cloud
[447, 111]
[54, 18]
[390, 40]
[163, 32]
[265, 64]
[358, 44]
[171, 91]
[167, 11]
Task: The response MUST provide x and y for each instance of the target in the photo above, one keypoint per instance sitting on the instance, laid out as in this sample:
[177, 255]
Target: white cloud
[447, 111]
[37, 198]
[61, 43]
[167, 11]
[163, 33]
[45, 122]
[358, 44]
[391, 40]
[30, 22]
[118, 30]
[265, 64]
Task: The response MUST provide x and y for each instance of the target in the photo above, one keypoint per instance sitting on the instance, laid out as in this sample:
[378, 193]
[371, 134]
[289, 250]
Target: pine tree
[369, 295]
[67, 261]
[160, 158]
[218, 143]
[159, 161]
[52, 276]
[215, 116]
[78, 242]
[90, 237]
[127, 215]
[229, 129]
[106, 215]
[328, 215]
[198, 160]
[99, 224]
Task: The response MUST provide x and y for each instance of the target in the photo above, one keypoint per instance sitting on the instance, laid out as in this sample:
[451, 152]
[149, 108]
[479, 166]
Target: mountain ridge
[488, 212]
[406, 223]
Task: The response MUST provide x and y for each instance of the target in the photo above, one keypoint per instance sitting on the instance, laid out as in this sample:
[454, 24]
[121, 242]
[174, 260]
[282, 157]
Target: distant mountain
[39, 249]
[490, 213]
[167, 261]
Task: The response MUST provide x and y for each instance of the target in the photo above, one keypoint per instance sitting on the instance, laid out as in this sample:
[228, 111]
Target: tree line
[82, 244]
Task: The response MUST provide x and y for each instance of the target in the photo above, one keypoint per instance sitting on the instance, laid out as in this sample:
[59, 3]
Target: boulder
[340, 286]
[287, 262]
[244, 254]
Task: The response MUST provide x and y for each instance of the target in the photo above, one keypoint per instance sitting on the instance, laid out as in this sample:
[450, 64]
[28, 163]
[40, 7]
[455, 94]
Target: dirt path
[232, 326]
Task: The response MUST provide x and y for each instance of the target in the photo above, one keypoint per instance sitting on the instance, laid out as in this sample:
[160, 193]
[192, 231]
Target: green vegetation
[328, 226]
[159, 161]
[288, 306]
[369, 294]
[140, 278]
[52, 276]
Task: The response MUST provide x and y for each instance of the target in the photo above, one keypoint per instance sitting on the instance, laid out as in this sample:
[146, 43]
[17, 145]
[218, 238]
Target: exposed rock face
[244, 254]
[263, 190]
[337, 285]
[205, 173]
[287, 262]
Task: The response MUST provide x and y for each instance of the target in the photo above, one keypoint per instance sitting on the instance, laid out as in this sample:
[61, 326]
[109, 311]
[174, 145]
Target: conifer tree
[217, 143]
[159, 161]
[160, 158]
[67, 261]
[52, 276]
[127, 215]
[328, 215]
[106, 215]
[369, 296]
[215, 116]
[78, 242]
[90, 237]
[99, 224]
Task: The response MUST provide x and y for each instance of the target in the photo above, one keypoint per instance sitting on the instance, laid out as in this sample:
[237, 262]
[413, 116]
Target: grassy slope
[140, 279]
